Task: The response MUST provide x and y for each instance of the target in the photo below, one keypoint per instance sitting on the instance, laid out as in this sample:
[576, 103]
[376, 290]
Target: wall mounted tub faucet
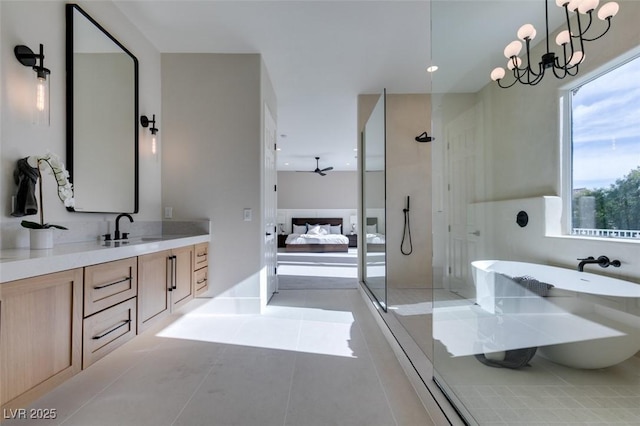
[603, 261]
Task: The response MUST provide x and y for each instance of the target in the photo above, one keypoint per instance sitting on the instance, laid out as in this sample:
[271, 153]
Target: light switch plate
[168, 212]
[247, 215]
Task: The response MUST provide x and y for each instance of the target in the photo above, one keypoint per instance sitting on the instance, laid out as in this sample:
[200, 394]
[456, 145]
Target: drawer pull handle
[201, 254]
[175, 272]
[100, 336]
[201, 281]
[100, 287]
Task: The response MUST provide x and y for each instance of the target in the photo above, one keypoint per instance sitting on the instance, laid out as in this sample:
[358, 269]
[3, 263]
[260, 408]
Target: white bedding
[375, 239]
[316, 239]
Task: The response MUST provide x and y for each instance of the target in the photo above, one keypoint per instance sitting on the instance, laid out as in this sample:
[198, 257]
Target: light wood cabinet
[53, 325]
[182, 291]
[165, 282]
[110, 319]
[40, 335]
[109, 283]
[200, 269]
[107, 330]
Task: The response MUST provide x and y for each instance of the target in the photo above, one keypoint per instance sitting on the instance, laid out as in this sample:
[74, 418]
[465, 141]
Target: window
[605, 153]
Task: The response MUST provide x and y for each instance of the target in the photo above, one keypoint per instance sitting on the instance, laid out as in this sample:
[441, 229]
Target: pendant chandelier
[571, 40]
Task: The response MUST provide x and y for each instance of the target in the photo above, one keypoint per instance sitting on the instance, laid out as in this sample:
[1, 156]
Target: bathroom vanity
[63, 309]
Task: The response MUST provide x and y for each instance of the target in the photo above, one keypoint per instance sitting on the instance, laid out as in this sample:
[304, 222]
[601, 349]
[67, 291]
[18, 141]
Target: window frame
[565, 109]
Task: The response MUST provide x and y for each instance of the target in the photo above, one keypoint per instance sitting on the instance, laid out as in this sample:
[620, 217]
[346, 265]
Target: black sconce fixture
[144, 120]
[28, 58]
[424, 137]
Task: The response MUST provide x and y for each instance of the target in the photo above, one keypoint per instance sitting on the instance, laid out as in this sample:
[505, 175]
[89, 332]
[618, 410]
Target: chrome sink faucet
[116, 233]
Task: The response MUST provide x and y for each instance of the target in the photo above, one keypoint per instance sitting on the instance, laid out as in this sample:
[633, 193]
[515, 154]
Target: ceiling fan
[319, 171]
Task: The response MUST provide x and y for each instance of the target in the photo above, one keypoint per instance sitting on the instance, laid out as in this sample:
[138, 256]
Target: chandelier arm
[565, 65]
[573, 71]
[586, 29]
[523, 75]
[571, 37]
[528, 68]
[506, 87]
[605, 31]
[564, 72]
[580, 34]
[537, 76]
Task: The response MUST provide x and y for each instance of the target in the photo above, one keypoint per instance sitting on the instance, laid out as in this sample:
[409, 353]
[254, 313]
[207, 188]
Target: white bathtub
[566, 328]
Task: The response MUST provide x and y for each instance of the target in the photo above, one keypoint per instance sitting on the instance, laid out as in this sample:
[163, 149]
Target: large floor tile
[329, 390]
[153, 392]
[247, 386]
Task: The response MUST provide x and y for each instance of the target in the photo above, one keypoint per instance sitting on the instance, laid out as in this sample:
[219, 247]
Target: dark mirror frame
[69, 10]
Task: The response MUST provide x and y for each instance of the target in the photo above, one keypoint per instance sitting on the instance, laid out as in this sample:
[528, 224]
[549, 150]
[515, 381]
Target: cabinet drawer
[201, 258]
[109, 283]
[201, 280]
[107, 330]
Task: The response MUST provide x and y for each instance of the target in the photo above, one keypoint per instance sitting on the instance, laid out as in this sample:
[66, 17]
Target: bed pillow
[317, 230]
[336, 229]
[327, 228]
[372, 229]
[299, 229]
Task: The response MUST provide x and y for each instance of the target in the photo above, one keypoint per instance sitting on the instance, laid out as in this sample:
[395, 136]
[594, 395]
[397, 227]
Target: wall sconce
[144, 120]
[28, 58]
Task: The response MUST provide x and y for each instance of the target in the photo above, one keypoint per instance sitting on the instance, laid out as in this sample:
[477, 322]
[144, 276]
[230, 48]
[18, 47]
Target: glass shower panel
[372, 223]
[520, 335]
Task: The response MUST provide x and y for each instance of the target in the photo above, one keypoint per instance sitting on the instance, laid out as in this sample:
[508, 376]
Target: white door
[270, 206]
[462, 183]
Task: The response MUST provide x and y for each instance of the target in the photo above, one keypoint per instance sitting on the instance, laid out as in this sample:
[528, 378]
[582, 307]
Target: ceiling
[321, 55]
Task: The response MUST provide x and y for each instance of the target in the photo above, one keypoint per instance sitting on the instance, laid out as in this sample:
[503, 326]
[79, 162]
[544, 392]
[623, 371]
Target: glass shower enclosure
[520, 335]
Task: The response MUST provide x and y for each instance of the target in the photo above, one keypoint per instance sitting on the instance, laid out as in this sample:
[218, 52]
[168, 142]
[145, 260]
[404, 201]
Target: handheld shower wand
[406, 231]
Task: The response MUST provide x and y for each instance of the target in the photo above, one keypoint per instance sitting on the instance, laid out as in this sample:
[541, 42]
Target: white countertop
[17, 264]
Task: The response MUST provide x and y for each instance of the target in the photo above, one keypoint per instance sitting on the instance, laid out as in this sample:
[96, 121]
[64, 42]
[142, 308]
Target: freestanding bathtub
[568, 326]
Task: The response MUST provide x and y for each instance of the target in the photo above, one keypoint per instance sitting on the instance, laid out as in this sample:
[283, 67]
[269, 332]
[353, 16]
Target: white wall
[212, 162]
[336, 190]
[31, 23]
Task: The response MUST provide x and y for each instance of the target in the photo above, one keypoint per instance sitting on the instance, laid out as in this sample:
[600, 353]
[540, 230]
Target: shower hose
[406, 234]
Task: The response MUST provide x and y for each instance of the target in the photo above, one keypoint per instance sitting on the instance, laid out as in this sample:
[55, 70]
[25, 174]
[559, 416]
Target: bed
[375, 240]
[324, 235]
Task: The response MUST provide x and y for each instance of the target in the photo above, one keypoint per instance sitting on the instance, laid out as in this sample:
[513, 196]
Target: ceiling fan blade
[322, 174]
[327, 169]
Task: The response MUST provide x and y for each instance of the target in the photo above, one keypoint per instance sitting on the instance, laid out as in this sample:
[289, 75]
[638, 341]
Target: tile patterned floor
[543, 394]
[316, 357]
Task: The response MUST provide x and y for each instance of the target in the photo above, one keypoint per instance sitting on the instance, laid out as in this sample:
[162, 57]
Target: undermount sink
[134, 240]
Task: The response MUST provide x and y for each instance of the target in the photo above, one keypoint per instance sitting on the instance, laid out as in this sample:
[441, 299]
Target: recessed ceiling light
[286, 164]
[432, 68]
[348, 164]
[355, 149]
[278, 149]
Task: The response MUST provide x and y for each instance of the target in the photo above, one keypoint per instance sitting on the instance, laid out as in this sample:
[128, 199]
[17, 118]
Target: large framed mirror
[102, 117]
[373, 203]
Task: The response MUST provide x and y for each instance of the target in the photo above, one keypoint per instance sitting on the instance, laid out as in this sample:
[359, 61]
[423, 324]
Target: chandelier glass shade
[571, 40]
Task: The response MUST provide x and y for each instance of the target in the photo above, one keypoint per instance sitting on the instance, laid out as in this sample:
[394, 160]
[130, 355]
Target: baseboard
[231, 305]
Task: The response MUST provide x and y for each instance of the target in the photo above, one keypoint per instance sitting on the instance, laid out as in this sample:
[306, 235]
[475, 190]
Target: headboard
[372, 221]
[316, 220]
